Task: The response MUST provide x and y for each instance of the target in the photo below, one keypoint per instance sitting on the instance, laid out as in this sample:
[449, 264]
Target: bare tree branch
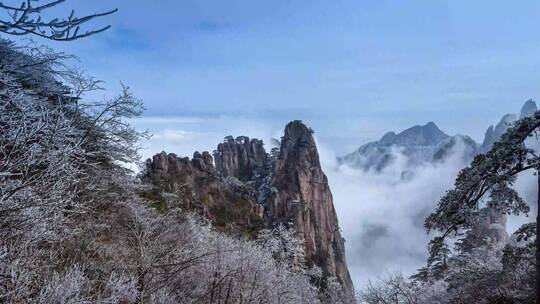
[26, 19]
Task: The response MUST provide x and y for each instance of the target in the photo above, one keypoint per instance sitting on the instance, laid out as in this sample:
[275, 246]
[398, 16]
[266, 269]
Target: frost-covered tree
[26, 18]
[288, 251]
[58, 154]
[486, 274]
[53, 146]
[489, 178]
[396, 289]
[285, 247]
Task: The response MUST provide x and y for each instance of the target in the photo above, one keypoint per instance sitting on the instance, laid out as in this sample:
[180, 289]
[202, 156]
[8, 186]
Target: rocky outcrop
[195, 185]
[528, 109]
[293, 190]
[243, 158]
[494, 226]
[303, 199]
[164, 164]
[493, 133]
[489, 230]
[246, 184]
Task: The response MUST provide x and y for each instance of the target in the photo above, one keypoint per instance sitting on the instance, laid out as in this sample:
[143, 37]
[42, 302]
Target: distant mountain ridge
[426, 135]
[493, 133]
[422, 144]
[418, 144]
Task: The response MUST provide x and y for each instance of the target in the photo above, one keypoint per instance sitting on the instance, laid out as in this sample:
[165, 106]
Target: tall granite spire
[303, 198]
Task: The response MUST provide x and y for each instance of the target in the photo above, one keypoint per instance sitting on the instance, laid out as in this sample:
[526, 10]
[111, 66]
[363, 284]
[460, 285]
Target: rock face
[528, 109]
[489, 230]
[250, 189]
[467, 147]
[303, 198]
[493, 133]
[494, 226]
[195, 185]
[242, 157]
[489, 138]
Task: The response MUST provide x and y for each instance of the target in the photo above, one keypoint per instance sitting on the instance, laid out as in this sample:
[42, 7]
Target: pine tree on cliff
[489, 179]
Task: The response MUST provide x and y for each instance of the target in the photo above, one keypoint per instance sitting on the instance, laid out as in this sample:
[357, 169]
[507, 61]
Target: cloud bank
[382, 215]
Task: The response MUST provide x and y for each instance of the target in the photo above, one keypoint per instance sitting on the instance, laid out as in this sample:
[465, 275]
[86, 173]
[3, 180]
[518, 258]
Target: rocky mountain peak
[388, 138]
[298, 138]
[426, 135]
[528, 109]
[419, 144]
[303, 198]
[494, 133]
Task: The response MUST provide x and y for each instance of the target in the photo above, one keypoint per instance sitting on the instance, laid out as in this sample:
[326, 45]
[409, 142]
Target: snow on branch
[27, 19]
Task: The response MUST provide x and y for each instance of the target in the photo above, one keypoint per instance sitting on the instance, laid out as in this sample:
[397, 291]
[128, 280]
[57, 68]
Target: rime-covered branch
[27, 19]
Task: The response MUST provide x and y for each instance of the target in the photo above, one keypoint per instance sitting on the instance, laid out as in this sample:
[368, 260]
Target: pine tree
[489, 177]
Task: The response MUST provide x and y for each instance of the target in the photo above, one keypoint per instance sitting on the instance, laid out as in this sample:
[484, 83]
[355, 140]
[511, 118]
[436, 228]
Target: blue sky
[351, 69]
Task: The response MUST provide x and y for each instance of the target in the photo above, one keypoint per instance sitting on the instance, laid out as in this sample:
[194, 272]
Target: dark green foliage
[437, 262]
[157, 201]
[526, 232]
[492, 175]
[493, 172]
[237, 211]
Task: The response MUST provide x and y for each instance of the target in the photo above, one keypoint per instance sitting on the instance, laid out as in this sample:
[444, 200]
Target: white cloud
[382, 216]
[177, 136]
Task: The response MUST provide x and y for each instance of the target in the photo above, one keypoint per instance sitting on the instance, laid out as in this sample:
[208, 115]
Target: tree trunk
[538, 243]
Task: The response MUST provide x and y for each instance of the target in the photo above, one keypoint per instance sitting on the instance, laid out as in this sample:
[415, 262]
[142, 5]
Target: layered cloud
[382, 214]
